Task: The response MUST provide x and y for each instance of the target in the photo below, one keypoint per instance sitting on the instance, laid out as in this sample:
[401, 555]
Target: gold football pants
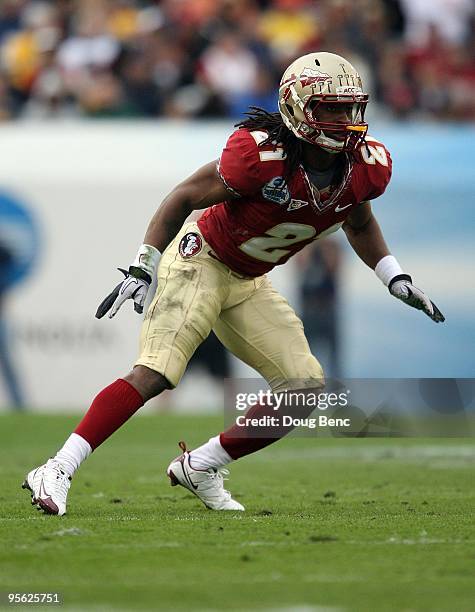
[196, 293]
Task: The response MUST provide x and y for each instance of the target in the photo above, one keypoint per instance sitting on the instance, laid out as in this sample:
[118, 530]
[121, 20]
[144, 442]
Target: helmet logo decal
[312, 77]
[350, 80]
[307, 77]
[349, 90]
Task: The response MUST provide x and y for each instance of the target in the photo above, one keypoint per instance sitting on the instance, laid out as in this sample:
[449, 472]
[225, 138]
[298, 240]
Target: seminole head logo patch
[190, 244]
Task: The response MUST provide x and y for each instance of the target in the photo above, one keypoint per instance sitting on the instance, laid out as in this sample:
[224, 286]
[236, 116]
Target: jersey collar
[314, 194]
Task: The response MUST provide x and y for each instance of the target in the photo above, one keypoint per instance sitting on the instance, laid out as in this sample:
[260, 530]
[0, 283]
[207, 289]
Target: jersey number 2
[269, 247]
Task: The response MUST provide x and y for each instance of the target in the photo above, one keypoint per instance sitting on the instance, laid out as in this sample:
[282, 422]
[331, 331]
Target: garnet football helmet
[323, 78]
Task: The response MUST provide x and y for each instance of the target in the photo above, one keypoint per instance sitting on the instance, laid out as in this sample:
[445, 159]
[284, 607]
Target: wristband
[387, 268]
[147, 259]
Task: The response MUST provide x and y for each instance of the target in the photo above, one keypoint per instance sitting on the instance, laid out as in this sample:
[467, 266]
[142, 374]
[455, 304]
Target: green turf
[334, 524]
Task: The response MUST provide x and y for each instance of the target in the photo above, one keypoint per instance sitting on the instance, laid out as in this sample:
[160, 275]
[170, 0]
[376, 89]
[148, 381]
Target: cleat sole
[47, 506]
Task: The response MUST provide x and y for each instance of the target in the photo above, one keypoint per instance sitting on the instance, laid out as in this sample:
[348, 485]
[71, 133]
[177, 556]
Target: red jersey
[274, 217]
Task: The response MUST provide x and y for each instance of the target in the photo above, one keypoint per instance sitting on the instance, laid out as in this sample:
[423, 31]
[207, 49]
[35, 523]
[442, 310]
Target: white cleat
[207, 485]
[49, 486]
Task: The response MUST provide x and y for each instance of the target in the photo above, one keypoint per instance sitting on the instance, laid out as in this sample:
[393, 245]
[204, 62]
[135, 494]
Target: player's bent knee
[147, 382]
[307, 375]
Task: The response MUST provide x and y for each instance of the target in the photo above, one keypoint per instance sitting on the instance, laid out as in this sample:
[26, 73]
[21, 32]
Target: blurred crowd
[214, 58]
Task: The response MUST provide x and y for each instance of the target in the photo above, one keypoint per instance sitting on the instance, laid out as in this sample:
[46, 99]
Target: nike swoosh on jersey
[338, 208]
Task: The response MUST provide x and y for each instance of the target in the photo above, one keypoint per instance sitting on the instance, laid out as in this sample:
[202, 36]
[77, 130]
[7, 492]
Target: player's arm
[202, 189]
[366, 238]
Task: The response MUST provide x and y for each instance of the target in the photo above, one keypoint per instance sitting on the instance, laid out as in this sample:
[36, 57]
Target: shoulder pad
[245, 165]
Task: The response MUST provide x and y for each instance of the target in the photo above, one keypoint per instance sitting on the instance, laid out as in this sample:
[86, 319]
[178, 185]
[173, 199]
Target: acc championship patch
[190, 244]
[276, 190]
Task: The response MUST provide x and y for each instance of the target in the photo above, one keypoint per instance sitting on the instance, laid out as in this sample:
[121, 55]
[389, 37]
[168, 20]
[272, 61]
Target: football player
[283, 180]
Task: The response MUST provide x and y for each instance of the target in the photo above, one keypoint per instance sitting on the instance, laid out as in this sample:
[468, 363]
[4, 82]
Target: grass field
[331, 524]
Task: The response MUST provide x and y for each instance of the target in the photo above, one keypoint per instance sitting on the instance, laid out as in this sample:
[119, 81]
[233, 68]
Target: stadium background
[106, 105]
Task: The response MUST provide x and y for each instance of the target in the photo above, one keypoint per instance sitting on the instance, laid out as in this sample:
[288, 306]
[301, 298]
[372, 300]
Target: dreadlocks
[260, 119]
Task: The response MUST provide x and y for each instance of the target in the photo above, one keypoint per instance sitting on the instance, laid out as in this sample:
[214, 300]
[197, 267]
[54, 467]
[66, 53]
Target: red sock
[240, 441]
[111, 408]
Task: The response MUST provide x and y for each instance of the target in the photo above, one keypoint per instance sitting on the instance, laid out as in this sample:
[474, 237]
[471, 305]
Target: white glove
[135, 285]
[402, 288]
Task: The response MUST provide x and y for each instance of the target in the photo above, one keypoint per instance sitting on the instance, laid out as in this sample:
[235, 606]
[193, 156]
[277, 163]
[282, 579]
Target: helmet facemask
[336, 136]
